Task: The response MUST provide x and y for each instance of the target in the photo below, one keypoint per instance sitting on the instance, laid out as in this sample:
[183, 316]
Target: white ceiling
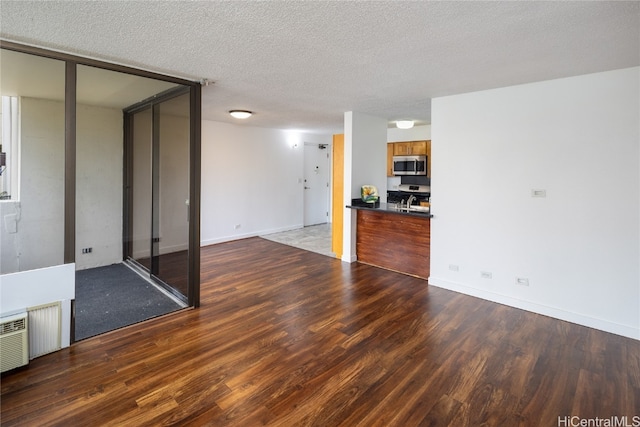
[302, 64]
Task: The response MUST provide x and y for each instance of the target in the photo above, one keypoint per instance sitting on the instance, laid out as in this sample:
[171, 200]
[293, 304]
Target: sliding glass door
[62, 170]
[140, 197]
[158, 159]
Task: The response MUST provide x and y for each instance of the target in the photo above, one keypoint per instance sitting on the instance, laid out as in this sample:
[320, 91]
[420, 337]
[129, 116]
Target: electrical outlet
[522, 281]
[486, 275]
[454, 267]
[538, 193]
[87, 250]
[235, 227]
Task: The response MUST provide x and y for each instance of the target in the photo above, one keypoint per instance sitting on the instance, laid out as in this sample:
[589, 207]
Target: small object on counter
[369, 193]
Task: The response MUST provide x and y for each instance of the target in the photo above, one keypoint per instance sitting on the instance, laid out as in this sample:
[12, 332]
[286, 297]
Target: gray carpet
[114, 296]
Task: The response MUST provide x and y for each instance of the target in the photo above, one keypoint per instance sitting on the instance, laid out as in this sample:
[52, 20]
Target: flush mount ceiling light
[404, 124]
[240, 114]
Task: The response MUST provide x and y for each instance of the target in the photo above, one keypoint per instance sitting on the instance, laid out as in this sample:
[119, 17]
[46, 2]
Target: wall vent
[14, 341]
[44, 329]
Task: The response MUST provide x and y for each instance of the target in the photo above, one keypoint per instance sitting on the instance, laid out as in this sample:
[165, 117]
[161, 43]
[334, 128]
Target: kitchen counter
[392, 239]
[390, 208]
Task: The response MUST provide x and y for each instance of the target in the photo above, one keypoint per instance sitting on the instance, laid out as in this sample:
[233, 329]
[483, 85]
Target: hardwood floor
[286, 337]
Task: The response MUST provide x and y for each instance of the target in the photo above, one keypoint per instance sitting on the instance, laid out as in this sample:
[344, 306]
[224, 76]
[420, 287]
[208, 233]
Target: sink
[414, 209]
[424, 209]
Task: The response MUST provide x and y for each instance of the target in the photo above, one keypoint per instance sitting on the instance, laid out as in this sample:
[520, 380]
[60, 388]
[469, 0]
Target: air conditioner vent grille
[14, 341]
[13, 326]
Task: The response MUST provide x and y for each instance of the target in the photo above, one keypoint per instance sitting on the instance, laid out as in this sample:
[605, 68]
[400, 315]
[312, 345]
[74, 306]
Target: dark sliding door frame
[153, 104]
[70, 163]
[155, 190]
[194, 88]
[195, 155]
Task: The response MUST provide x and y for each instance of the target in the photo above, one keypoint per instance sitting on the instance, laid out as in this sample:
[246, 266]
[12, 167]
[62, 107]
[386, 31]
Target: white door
[316, 183]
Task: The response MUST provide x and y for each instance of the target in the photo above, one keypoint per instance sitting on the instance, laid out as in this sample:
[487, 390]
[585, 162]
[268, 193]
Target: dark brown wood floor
[286, 337]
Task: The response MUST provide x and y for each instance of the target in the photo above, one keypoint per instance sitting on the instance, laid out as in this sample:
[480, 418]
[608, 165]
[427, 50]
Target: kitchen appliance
[14, 341]
[409, 165]
[421, 193]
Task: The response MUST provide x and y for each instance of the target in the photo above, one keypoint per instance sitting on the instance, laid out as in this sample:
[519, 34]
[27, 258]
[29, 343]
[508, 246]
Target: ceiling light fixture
[240, 114]
[404, 124]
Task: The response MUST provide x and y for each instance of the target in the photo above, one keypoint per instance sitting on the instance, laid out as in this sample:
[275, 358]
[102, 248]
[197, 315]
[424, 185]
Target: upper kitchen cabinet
[390, 159]
[408, 148]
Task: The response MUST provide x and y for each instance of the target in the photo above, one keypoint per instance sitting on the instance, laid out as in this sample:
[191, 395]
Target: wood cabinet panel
[410, 148]
[389, 159]
[395, 242]
[419, 148]
[429, 159]
[401, 148]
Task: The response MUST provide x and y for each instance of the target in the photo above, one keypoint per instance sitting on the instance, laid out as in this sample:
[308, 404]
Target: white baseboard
[555, 312]
[207, 242]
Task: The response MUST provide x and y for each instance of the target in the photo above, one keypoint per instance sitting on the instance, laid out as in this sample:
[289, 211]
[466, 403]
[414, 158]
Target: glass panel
[32, 209]
[173, 192]
[141, 188]
[101, 97]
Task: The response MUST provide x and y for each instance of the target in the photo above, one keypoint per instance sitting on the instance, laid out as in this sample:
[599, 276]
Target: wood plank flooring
[286, 337]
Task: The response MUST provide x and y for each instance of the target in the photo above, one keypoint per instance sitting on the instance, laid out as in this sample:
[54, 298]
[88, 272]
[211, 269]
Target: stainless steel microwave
[409, 165]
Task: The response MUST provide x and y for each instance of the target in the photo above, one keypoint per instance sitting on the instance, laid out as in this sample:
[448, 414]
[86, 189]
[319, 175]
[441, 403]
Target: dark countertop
[389, 208]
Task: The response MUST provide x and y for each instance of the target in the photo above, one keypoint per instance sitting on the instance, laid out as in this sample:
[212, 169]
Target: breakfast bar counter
[393, 239]
[390, 208]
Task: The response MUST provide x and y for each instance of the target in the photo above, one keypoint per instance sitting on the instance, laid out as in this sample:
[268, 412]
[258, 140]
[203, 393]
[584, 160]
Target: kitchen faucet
[411, 199]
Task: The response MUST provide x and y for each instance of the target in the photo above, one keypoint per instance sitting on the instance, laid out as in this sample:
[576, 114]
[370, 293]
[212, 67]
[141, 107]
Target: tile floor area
[314, 238]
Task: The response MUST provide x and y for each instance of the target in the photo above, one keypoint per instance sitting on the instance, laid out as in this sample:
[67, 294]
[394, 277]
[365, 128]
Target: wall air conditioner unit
[14, 341]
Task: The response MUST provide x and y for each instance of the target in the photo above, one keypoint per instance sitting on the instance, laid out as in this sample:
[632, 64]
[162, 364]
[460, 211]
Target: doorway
[316, 183]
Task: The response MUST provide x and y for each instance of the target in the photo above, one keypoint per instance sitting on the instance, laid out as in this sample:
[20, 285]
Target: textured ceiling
[301, 65]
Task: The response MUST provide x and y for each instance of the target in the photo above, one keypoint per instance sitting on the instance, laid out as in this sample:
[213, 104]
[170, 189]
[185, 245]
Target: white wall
[251, 180]
[38, 216]
[99, 161]
[32, 227]
[416, 133]
[365, 163]
[578, 139]
[368, 140]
